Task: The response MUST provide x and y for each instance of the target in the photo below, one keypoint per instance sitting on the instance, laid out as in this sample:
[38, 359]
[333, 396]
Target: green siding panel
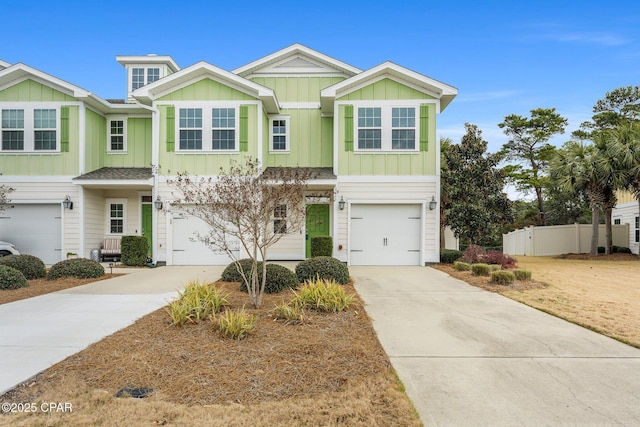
[424, 127]
[385, 89]
[207, 90]
[31, 91]
[297, 89]
[171, 128]
[244, 128]
[96, 140]
[348, 127]
[138, 152]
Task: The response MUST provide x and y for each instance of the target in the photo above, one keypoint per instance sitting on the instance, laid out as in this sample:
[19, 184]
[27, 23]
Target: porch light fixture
[341, 203]
[157, 203]
[67, 203]
[432, 203]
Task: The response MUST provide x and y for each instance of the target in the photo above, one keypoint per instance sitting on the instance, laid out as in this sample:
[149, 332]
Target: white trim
[287, 134]
[386, 128]
[627, 205]
[260, 112]
[336, 141]
[113, 182]
[388, 178]
[207, 126]
[11, 75]
[81, 230]
[294, 74]
[82, 138]
[300, 105]
[36, 202]
[124, 119]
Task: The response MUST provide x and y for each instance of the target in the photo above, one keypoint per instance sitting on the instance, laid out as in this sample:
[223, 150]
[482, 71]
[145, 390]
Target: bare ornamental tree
[248, 209]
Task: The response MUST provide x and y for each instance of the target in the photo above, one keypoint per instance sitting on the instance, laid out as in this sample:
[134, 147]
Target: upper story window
[117, 137]
[279, 133]
[386, 128]
[143, 76]
[221, 135]
[29, 129]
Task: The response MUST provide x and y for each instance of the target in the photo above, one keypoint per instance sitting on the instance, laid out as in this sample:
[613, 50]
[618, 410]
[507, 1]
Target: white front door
[385, 234]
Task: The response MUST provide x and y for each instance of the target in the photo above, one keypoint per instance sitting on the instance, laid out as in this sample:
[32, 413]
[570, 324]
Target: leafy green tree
[528, 145]
[476, 207]
[621, 105]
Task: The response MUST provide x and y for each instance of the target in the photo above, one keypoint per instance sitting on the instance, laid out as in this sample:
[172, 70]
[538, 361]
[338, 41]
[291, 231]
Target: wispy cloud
[489, 95]
[601, 39]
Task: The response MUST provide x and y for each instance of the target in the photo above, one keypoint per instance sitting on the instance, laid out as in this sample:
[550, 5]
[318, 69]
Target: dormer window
[143, 76]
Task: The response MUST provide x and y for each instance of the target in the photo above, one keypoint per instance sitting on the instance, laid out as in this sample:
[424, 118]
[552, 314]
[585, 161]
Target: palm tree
[574, 169]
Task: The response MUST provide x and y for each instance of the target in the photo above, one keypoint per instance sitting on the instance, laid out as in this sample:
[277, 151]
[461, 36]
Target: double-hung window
[207, 129]
[386, 128]
[117, 141]
[223, 128]
[116, 215]
[191, 128]
[29, 129]
[637, 229]
[280, 219]
[143, 76]
[279, 134]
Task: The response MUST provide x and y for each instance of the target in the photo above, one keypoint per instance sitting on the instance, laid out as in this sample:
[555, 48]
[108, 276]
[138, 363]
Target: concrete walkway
[38, 332]
[470, 357]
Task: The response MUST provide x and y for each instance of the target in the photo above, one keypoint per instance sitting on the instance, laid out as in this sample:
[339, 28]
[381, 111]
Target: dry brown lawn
[38, 287]
[329, 371]
[602, 293]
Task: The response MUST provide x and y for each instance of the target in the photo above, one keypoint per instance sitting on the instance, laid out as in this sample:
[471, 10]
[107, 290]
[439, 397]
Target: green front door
[317, 224]
[147, 224]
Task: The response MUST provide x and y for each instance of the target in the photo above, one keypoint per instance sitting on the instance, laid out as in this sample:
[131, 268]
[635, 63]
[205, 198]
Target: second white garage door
[385, 234]
[188, 249]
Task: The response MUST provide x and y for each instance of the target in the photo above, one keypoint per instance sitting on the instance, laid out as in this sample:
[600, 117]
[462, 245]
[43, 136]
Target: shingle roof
[314, 173]
[118, 174]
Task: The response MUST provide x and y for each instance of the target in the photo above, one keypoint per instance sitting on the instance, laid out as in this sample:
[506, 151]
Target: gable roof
[202, 70]
[4, 64]
[297, 59]
[150, 59]
[429, 86]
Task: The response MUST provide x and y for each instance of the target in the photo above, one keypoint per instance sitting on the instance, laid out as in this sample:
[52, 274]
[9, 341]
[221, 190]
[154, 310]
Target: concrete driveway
[38, 332]
[471, 357]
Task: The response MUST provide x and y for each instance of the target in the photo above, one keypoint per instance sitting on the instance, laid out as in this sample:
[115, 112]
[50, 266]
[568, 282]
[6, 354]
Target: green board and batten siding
[206, 90]
[138, 152]
[422, 162]
[64, 163]
[311, 135]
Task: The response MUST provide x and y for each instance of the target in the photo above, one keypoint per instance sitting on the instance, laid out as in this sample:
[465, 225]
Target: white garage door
[34, 230]
[385, 234]
[188, 248]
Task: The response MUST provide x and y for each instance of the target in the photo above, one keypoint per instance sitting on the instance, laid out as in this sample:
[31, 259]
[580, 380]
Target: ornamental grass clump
[461, 266]
[196, 302]
[235, 324]
[323, 295]
[522, 275]
[480, 269]
[502, 277]
[289, 313]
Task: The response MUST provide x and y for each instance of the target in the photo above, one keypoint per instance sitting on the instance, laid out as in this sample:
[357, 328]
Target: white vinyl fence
[559, 239]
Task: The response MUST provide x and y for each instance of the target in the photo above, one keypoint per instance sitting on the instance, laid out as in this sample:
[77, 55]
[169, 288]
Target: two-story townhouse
[367, 137]
[626, 211]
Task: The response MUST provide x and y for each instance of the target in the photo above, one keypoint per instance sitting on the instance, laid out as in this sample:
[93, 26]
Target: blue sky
[504, 57]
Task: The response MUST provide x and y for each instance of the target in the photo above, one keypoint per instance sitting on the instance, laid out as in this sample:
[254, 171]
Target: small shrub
[522, 275]
[449, 256]
[480, 269]
[236, 324]
[11, 278]
[461, 266]
[502, 277]
[495, 257]
[323, 295]
[30, 266]
[473, 254]
[322, 267]
[321, 246]
[196, 302]
[601, 249]
[279, 278]
[80, 268]
[134, 250]
[291, 312]
[231, 273]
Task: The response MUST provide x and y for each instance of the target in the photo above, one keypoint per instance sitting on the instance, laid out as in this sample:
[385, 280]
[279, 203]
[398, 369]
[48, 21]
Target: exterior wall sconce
[157, 203]
[341, 203]
[67, 203]
[432, 203]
